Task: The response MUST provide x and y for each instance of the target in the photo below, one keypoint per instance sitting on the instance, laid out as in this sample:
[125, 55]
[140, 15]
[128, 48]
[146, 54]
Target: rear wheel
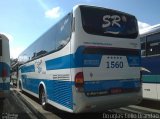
[43, 98]
[20, 86]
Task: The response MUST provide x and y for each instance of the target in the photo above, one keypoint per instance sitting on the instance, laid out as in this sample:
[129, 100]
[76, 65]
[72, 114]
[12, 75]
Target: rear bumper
[104, 103]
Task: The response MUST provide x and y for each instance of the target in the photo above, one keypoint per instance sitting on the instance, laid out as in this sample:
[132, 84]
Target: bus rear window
[0, 47]
[107, 22]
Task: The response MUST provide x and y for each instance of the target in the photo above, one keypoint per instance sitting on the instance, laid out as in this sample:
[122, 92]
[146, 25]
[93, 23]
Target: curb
[31, 107]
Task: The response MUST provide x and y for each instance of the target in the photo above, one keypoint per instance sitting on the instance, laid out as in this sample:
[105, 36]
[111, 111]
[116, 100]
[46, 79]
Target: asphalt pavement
[12, 107]
[18, 105]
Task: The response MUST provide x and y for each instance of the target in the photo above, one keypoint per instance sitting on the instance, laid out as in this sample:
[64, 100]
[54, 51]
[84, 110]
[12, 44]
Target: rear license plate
[116, 90]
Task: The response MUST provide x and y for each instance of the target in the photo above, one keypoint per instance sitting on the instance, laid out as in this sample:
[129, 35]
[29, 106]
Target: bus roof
[150, 30]
[101, 7]
[3, 36]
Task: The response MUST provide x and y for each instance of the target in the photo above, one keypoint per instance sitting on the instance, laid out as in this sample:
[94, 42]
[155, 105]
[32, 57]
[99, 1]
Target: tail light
[79, 80]
[4, 72]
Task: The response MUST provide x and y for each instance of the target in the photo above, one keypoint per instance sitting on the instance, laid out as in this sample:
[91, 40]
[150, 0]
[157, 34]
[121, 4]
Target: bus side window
[153, 44]
[64, 29]
[143, 50]
[143, 46]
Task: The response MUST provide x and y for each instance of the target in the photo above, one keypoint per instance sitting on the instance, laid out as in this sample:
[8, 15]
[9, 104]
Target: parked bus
[4, 66]
[150, 45]
[89, 61]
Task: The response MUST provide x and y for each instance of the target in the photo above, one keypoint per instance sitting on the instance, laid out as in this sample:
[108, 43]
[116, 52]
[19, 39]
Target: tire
[20, 86]
[43, 99]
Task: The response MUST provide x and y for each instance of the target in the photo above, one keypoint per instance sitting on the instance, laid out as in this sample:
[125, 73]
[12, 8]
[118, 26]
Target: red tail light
[79, 80]
[4, 72]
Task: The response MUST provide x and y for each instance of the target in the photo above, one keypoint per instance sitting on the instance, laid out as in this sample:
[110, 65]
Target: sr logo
[112, 20]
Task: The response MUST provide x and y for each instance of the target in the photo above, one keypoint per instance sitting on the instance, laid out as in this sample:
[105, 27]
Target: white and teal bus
[89, 61]
[150, 50]
[4, 66]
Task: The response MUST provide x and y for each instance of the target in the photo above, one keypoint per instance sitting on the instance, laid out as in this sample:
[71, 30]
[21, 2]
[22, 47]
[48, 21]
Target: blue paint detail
[65, 62]
[84, 60]
[77, 58]
[115, 29]
[61, 92]
[25, 69]
[57, 91]
[80, 59]
[29, 84]
[5, 66]
[134, 61]
[108, 84]
[152, 64]
[4, 86]
[92, 60]
[58, 63]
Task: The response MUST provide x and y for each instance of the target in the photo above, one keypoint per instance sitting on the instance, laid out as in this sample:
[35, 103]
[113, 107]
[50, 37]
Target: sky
[23, 21]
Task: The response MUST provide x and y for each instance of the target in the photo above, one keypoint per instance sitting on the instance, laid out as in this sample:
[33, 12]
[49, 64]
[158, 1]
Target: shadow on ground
[66, 115]
[150, 104]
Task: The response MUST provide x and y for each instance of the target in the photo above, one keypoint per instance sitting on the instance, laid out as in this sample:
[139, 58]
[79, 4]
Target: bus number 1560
[114, 64]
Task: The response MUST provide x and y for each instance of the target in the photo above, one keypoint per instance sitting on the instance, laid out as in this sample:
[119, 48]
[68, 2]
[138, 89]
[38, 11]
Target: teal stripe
[151, 78]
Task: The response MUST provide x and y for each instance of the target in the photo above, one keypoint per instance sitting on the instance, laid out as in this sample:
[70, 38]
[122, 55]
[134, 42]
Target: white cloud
[142, 25]
[15, 52]
[53, 13]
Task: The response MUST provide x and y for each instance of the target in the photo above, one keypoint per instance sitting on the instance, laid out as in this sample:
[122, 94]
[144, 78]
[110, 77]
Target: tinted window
[46, 43]
[56, 37]
[107, 22]
[64, 29]
[0, 47]
[112, 51]
[153, 44]
[143, 46]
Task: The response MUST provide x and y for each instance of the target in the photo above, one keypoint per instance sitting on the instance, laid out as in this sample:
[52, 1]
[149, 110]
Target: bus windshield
[0, 47]
[106, 22]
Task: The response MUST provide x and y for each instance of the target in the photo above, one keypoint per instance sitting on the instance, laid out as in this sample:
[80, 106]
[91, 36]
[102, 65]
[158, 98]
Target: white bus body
[86, 72]
[150, 44]
[4, 65]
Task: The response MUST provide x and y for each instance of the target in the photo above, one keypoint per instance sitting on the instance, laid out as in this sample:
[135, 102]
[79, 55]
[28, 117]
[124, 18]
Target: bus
[150, 51]
[4, 66]
[89, 61]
